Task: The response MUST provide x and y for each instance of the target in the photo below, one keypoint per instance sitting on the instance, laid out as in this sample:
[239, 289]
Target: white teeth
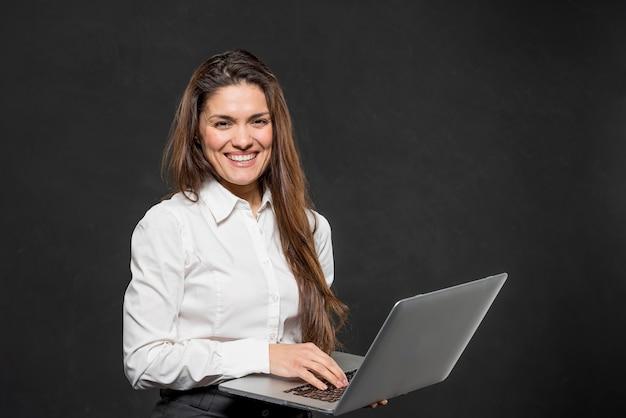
[246, 157]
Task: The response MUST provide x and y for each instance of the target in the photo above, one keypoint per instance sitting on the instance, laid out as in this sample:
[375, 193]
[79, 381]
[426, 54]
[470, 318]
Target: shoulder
[168, 213]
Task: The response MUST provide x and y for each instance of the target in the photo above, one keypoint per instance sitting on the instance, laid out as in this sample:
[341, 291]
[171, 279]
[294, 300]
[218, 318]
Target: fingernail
[324, 387]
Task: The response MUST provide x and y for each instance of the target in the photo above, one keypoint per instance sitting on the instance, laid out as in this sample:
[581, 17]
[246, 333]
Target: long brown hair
[321, 312]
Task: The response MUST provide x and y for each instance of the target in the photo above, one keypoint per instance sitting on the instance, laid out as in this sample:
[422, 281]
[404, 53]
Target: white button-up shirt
[210, 290]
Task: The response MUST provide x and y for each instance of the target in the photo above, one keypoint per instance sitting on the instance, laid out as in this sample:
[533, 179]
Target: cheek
[266, 137]
[214, 141]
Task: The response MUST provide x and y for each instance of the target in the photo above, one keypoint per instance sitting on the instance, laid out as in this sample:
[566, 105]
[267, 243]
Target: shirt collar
[222, 201]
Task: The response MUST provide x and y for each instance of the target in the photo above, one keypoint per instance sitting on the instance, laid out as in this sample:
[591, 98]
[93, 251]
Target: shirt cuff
[245, 356]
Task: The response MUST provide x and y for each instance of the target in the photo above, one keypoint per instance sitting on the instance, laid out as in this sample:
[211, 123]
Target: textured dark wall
[443, 142]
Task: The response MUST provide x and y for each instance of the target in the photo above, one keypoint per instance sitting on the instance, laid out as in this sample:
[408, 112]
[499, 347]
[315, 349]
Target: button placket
[273, 303]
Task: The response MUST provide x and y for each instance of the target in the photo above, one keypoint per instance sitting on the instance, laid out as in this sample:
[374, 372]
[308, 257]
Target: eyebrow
[256, 115]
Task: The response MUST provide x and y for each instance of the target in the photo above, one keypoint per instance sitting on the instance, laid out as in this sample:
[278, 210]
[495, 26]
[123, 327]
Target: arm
[154, 356]
[324, 247]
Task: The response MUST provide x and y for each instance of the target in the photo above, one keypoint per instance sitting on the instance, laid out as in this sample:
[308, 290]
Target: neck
[249, 192]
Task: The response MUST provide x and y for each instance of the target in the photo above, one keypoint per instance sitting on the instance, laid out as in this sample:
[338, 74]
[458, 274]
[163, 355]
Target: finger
[374, 405]
[331, 364]
[318, 356]
[309, 377]
[324, 372]
[384, 402]
[335, 368]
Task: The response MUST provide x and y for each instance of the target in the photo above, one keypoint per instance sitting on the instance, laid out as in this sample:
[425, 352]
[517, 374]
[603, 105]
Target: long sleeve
[324, 247]
[154, 356]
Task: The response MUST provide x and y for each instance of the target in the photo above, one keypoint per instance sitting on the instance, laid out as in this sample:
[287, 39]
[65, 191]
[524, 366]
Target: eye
[261, 122]
[221, 124]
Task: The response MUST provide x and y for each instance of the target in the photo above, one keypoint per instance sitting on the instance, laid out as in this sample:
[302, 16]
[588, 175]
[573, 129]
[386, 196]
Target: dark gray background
[443, 142]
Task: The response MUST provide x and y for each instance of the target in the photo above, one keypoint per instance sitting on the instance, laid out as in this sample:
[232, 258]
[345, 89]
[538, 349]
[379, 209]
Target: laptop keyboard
[331, 394]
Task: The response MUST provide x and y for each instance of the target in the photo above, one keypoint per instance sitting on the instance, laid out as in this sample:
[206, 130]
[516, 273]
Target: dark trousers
[211, 402]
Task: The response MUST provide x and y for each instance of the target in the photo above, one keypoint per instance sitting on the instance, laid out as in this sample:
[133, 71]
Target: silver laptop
[418, 345]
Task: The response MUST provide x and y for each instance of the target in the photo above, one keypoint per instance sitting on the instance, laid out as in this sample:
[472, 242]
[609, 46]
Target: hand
[375, 404]
[300, 360]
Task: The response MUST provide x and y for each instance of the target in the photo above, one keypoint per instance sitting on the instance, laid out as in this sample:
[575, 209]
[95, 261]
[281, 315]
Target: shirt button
[266, 261]
[265, 413]
[274, 298]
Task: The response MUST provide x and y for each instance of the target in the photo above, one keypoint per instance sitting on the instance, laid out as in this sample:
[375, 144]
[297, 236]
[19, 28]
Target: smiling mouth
[241, 157]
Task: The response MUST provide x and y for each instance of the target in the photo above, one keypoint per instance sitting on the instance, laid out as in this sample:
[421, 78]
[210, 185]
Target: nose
[242, 139]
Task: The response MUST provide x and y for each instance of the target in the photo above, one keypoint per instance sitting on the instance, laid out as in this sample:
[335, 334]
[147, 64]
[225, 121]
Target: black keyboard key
[331, 394]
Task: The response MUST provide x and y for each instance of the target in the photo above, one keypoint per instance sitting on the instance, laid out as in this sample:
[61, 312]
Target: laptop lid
[420, 342]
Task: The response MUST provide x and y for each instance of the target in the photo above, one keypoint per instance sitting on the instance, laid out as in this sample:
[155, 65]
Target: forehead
[239, 98]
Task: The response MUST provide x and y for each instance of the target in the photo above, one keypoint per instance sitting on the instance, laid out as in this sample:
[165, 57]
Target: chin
[240, 180]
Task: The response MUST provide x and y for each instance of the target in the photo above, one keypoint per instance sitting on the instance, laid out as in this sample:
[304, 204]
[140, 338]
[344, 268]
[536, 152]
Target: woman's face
[236, 132]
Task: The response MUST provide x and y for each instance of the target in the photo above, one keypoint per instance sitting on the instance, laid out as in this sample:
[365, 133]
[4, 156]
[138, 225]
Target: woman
[232, 271]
